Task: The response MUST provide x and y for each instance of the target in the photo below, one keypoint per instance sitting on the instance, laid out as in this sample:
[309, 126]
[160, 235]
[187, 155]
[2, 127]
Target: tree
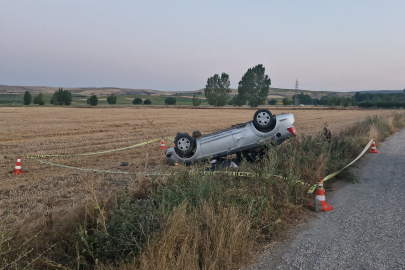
[217, 89]
[324, 100]
[196, 100]
[27, 98]
[254, 86]
[286, 101]
[67, 97]
[112, 99]
[137, 101]
[170, 100]
[272, 101]
[238, 101]
[61, 97]
[303, 99]
[39, 99]
[93, 100]
[147, 102]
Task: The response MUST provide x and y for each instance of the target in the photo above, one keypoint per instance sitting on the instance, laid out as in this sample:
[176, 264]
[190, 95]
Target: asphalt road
[366, 228]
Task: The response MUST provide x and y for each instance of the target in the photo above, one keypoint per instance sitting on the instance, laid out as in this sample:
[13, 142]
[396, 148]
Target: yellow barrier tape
[94, 170]
[97, 153]
[242, 174]
[239, 174]
[313, 187]
[246, 174]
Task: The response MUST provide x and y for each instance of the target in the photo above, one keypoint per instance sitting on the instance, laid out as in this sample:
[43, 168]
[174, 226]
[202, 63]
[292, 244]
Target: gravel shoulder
[366, 228]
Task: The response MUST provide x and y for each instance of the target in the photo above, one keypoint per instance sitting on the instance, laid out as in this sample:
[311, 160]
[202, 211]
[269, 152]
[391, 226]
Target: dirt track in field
[61, 130]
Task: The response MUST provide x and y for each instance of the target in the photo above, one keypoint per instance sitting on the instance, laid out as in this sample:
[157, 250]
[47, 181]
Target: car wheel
[262, 119]
[184, 144]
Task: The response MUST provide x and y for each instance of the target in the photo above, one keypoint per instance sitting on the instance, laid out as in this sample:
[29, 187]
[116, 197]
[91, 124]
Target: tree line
[367, 100]
[253, 89]
[60, 97]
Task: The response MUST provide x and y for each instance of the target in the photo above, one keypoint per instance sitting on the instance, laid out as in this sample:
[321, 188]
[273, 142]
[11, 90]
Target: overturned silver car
[238, 139]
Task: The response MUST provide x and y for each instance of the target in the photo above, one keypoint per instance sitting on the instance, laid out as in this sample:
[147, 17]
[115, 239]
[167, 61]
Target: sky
[177, 45]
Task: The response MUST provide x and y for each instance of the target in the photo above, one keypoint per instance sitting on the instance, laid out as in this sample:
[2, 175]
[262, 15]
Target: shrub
[272, 101]
[286, 101]
[93, 100]
[112, 99]
[147, 102]
[61, 97]
[39, 99]
[170, 100]
[27, 98]
[137, 101]
[196, 100]
[127, 228]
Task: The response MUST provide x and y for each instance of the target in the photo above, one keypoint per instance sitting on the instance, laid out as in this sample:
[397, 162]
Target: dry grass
[373, 134]
[49, 199]
[220, 243]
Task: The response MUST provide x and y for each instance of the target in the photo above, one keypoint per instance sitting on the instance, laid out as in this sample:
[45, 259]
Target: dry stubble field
[49, 197]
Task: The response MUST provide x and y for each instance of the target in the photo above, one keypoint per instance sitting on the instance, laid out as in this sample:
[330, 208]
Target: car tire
[184, 144]
[262, 119]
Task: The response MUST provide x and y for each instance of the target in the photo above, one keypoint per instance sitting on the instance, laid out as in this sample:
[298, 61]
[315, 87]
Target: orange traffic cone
[162, 144]
[373, 148]
[17, 169]
[320, 195]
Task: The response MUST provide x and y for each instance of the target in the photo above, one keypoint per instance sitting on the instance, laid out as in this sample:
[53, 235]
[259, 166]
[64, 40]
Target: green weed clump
[128, 228]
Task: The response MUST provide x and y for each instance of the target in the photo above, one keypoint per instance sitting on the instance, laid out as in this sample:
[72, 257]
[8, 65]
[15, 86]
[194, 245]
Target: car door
[217, 144]
[244, 138]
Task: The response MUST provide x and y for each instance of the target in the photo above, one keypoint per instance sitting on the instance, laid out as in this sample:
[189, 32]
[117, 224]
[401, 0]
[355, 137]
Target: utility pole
[296, 93]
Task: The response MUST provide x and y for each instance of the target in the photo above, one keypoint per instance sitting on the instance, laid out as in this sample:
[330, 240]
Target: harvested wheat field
[49, 197]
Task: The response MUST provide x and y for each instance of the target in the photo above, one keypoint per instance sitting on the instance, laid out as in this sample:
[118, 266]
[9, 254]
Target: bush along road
[366, 228]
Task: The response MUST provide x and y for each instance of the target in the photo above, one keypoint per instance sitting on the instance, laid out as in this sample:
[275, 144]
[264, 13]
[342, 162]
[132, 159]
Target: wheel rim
[183, 144]
[263, 118]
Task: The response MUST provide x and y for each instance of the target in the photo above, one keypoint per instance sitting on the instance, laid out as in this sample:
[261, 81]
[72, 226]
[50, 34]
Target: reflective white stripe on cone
[162, 144]
[320, 195]
[373, 149]
[17, 168]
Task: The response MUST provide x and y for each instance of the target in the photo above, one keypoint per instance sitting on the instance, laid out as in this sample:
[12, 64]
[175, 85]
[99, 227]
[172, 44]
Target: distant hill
[276, 93]
[379, 92]
[86, 91]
